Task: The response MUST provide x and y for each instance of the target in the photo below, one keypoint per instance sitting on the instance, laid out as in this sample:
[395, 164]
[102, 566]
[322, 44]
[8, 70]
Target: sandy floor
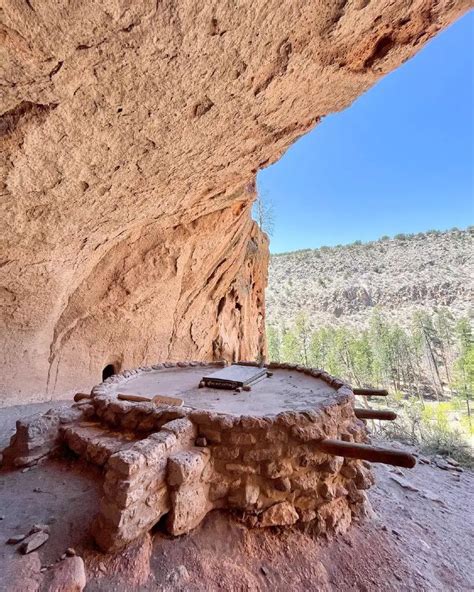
[419, 538]
[284, 390]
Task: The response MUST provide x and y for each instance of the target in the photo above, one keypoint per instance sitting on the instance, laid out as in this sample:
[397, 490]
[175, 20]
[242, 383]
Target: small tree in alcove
[263, 214]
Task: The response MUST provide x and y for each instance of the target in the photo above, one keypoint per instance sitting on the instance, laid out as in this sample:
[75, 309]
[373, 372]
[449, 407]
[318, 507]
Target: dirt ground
[419, 536]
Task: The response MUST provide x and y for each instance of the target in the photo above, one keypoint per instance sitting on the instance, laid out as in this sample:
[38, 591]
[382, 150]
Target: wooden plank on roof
[234, 376]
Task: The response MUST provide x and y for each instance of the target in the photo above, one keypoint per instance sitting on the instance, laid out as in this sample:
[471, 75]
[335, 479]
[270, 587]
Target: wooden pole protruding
[366, 452]
[80, 397]
[157, 399]
[133, 398]
[385, 414]
[370, 392]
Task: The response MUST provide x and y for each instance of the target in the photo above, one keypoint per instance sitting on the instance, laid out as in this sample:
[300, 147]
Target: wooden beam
[384, 414]
[157, 399]
[370, 392]
[366, 452]
[133, 398]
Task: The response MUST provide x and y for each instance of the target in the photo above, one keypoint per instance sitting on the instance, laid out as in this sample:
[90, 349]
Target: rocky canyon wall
[131, 136]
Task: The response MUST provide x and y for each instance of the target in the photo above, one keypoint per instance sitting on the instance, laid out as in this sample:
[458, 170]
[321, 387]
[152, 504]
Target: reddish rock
[282, 514]
[21, 574]
[139, 201]
[67, 576]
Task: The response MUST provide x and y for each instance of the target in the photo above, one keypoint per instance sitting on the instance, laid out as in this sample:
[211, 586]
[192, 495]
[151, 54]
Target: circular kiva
[288, 389]
[281, 444]
[256, 451]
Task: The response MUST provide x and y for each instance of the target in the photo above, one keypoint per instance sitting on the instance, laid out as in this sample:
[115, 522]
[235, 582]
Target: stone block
[190, 504]
[226, 422]
[212, 436]
[225, 453]
[187, 466]
[154, 448]
[184, 430]
[336, 515]
[270, 496]
[364, 478]
[126, 492]
[67, 413]
[306, 502]
[242, 438]
[312, 432]
[208, 472]
[340, 491]
[139, 516]
[281, 514]
[244, 497]
[67, 576]
[259, 454]
[251, 493]
[127, 462]
[159, 500]
[167, 439]
[130, 420]
[307, 515]
[240, 468]
[331, 465]
[278, 468]
[306, 481]
[251, 422]
[275, 436]
[348, 471]
[111, 512]
[327, 491]
[33, 541]
[287, 419]
[203, 418]
[355, 495]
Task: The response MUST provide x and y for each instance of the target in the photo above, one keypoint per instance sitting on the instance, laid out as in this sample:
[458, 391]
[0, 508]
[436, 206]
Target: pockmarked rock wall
[131, 137]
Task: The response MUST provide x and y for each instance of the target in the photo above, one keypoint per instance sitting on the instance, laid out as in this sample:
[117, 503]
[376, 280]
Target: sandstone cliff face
[131, 136]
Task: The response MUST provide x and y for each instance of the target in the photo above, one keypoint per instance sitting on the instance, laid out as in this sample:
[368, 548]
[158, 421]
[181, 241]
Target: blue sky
[399, 159]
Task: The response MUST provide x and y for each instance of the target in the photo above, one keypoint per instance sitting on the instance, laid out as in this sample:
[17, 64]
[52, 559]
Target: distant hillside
[342, 285]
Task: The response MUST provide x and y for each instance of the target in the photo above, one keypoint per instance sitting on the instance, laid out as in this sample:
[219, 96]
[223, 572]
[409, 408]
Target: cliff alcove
[131, 137]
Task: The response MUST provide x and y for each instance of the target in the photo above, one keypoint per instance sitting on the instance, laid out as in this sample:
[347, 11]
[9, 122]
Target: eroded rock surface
[132, 134]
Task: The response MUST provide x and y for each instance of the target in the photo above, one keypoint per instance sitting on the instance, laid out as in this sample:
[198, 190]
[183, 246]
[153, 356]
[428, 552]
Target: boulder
[282, 514]
[67, 576]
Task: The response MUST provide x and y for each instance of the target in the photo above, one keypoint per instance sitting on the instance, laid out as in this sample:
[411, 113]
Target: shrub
[430, 427]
